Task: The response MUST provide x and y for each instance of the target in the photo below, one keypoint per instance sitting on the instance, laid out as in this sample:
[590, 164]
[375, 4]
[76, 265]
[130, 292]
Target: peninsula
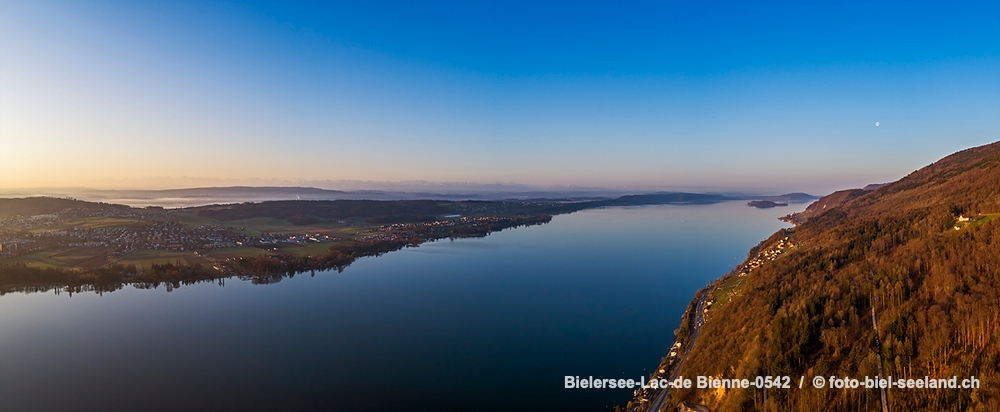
[73, 245]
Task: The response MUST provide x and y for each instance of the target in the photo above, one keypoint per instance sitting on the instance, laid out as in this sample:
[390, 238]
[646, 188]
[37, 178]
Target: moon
[876, 124]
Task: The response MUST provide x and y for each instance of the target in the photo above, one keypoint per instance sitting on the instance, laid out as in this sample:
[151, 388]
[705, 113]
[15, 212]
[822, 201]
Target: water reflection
[492, 323]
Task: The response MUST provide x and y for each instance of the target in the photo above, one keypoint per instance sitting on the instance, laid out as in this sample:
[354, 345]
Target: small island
[765, 204]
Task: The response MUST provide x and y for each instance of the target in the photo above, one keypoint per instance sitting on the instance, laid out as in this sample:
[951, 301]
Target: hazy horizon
[645, 96]
[413, 186]
[181, 183]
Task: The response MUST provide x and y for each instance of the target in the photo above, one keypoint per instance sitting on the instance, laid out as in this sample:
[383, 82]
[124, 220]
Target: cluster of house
[293, 238]
[17, 223]
[448, 221]
[406, 231]
[643, 394]
[765, 256]
[126, 239]
[24, 234]
[402, 227]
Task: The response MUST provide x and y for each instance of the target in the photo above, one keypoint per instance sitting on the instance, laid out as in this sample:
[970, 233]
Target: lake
[487, 324]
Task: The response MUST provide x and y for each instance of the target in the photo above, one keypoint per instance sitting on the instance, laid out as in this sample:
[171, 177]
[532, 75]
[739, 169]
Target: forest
[900, 281]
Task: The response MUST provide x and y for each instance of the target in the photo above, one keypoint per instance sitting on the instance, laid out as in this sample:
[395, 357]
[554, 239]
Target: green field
[726, 290]
[235, 252]
[309, 249]
[103, 222]
[41, 259]
[91, 223]
[146, 258]
[256, 226]
[77, 257]
[983, 219]
[190, 220]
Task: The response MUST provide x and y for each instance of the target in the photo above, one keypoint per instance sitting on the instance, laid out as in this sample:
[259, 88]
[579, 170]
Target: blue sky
[653, 96]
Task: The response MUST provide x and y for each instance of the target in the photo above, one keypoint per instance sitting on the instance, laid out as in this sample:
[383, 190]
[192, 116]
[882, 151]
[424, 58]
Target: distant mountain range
[202, 196]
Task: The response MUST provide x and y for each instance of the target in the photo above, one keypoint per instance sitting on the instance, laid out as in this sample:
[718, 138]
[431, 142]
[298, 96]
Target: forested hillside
[45, 205]
[922, 253]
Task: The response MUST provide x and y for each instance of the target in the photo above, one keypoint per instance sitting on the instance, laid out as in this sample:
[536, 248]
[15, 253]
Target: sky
[710, 96]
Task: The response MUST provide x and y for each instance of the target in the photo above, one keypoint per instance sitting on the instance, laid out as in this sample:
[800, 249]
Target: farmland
[227, 240]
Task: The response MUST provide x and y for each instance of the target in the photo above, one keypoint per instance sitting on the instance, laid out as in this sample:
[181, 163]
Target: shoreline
[669, 368]
[263, 269]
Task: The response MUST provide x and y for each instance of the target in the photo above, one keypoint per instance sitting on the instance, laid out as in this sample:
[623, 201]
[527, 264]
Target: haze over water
[492, 323]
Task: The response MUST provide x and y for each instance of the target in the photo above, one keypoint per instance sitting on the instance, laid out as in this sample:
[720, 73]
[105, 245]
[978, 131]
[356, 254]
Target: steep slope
[829, 201]
[901, 252]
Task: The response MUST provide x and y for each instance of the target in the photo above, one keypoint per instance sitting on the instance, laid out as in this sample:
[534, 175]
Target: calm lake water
[485, 324]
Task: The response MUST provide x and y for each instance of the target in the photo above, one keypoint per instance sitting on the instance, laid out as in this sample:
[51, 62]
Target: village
[124, 230]
[119, 232]
[765, 256]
